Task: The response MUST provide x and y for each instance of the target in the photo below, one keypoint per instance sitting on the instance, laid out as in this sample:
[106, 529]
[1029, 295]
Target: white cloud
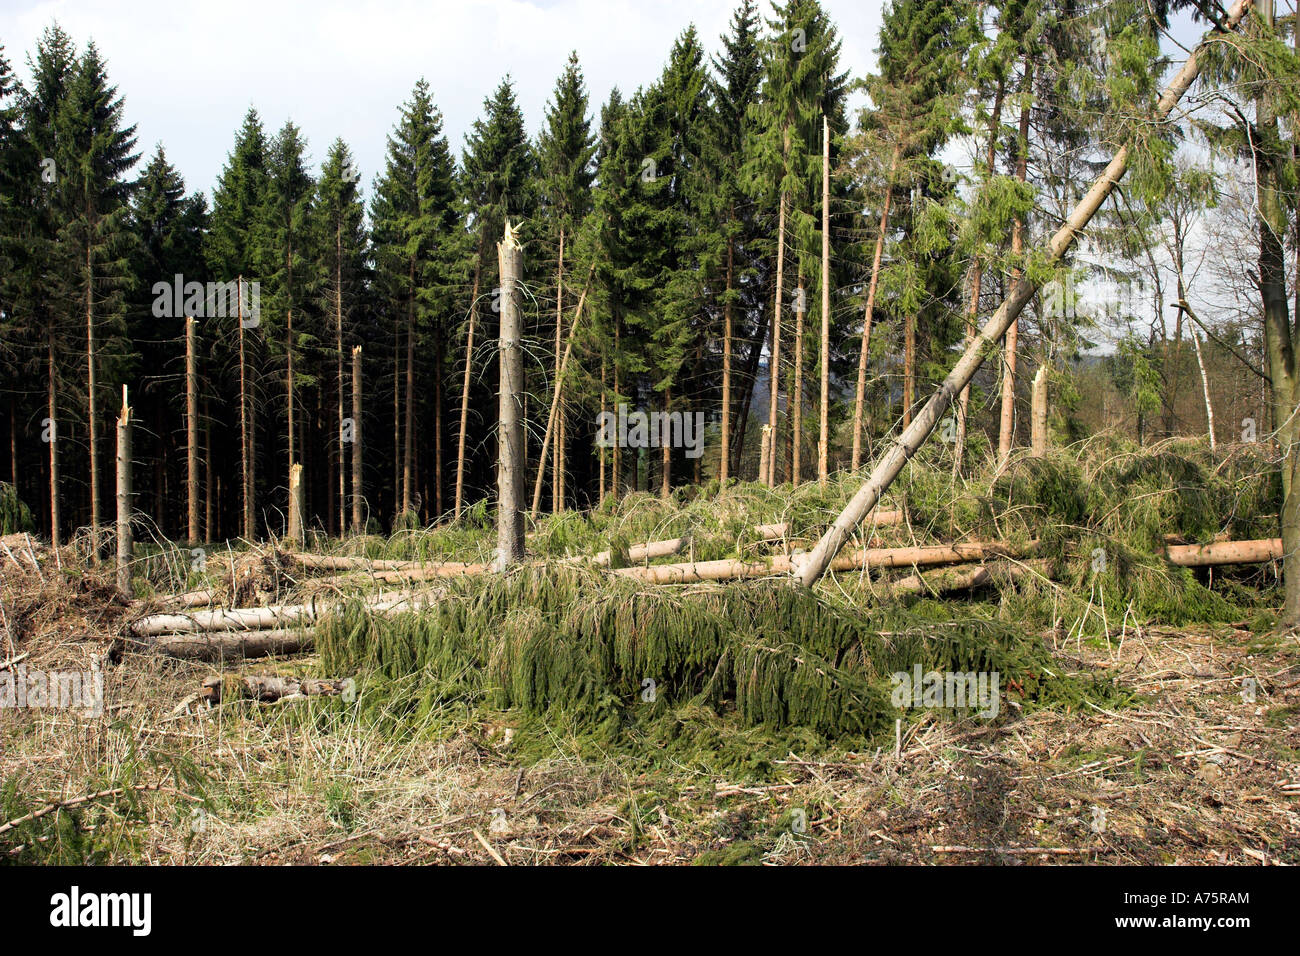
[190, 71]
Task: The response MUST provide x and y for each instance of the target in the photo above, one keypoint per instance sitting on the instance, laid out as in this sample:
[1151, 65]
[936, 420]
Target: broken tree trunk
[1038, 414]
[125, 545]
[861, 391]
[812, 567]
[295, 531]
[510, 429]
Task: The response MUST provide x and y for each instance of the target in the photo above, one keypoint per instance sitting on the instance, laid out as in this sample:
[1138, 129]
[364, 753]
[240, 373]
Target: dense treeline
[681, 242]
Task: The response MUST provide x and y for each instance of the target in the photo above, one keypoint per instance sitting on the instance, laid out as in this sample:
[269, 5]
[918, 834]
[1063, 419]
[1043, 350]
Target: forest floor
[1192, 772]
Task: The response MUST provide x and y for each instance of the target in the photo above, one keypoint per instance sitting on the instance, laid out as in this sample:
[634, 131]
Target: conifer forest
[834, 445]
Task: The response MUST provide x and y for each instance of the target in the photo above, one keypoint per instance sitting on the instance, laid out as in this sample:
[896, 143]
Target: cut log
[1224, 552]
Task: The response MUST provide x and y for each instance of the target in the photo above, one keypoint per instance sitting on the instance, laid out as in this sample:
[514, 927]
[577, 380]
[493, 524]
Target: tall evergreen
[415, 215]
[340, 243]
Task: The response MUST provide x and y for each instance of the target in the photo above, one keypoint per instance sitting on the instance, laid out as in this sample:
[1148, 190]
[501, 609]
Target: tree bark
[814, 565]
[408, 449]
[796, 414]
[296, 519]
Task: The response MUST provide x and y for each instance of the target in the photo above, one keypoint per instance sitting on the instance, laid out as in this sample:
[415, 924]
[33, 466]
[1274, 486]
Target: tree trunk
[823, 430]
[209, 528]
[814, 565]
[51, 436]
[408, 449]
[510, 451]
[1205, 388]
[464, 390]
[245, 429]
[191, 431]
[92, 419]
[557, 458]
[1278, 336]
[358, 525]
[338, 347]
[666, 449]
[124, 543]
[1006, 428]
[796, 416]
[554, 415]
[774, 366]
[724, 454]
[860, 394]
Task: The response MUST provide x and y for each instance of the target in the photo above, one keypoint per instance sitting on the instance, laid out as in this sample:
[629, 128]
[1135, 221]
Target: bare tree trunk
[1006, 429]
[209, 519]
[92, 420]
[288, 321]
[823, 431]
[338, 352]
[860, 395]
[815, 564]
[358, 525]
[464, 391]
[557, 458]
[796, 446]
[510, 451]
[774, 367]
[408, 450]
[124, 543]
[600, 451]
[191, 430]
[51, 436]
[246, 438]
[724, 455]
[666, 450]
[616, 457]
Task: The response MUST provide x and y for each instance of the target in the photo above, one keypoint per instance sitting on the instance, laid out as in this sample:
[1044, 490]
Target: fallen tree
[821, 559]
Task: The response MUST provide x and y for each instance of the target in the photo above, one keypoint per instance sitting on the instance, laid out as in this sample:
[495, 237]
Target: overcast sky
[189, 71]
